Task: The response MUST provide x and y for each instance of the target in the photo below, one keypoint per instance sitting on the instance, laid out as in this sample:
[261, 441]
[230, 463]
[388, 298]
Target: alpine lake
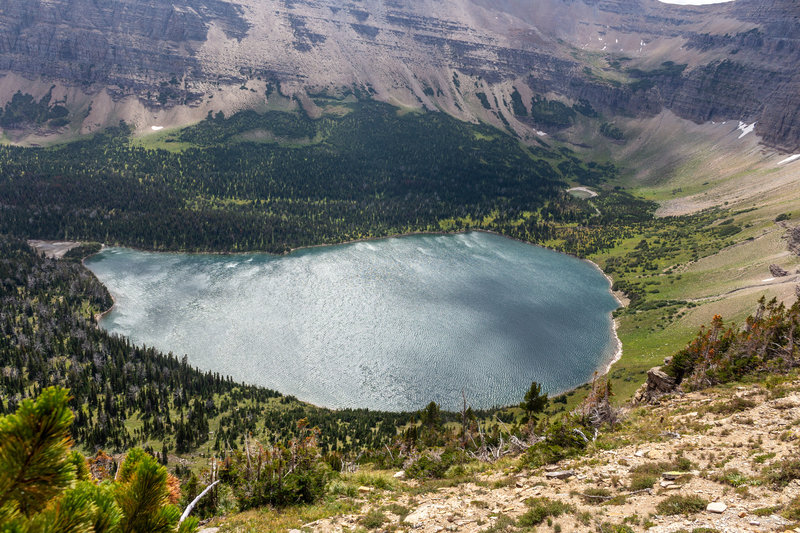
[388, 324]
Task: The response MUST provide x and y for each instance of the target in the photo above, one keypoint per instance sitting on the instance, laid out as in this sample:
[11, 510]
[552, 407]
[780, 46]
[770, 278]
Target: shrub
[607, 527]
[596, 496]
[678, 504]
[731, 477]
[373, 519]
[736, 404]
[792, 511]
[782, 473]
[542, 509]
[280, 475]
[426, 467]
[642, 481]
[680, 464]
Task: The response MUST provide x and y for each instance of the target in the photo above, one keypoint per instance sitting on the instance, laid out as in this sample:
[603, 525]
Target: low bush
[781, 473]
[373, 519]
[542, 509]
[642, 481]
[734, 405]
[607, 527]
[679, 504]
[731, 477]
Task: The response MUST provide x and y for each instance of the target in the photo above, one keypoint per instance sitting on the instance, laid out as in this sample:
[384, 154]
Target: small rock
[641, 453]
[560, 474]
[400, 475]
[215, 529]
[742, 514]
[716, 507]
[673, 475]
[364, 490]
[755, 523]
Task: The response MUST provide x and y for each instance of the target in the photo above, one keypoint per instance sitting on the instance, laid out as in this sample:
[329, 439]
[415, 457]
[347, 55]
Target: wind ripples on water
[389, 324]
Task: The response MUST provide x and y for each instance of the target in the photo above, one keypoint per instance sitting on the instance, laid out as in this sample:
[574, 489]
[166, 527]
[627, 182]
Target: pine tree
[46, 487]
[34, 443]
[535, 402]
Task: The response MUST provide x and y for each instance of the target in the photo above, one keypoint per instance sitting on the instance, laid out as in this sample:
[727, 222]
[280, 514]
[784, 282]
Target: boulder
[716, 507]
[560, 474]
[658, 384]
[777, 271]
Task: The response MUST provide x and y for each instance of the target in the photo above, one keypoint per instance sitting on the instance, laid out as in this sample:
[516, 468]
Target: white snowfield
[156, 128]
[694, 2]
[745, 129]
[789, 159]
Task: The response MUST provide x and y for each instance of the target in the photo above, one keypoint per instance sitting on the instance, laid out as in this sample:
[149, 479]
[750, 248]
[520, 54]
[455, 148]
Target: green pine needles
[45, 486]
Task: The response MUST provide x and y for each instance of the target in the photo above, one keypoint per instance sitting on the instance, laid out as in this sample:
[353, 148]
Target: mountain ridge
[145, 60]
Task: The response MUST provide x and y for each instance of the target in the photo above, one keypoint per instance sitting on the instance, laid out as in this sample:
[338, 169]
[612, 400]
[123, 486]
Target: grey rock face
[658, 384]
[172, 52]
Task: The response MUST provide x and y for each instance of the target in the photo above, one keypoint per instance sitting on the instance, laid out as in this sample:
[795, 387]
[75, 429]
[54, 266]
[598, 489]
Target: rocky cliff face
[734, 61]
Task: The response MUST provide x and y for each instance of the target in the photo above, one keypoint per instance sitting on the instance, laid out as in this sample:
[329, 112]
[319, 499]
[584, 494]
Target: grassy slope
[687, 168]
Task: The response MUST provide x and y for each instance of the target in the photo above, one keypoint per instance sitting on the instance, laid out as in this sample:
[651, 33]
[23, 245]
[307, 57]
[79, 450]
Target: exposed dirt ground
[728, 452]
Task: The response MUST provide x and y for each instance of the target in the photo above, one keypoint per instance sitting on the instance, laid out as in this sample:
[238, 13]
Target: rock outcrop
[794, 240]
[657, 385]
[778, 271]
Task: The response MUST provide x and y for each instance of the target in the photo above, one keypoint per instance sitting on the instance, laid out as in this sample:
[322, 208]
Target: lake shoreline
[604, 367]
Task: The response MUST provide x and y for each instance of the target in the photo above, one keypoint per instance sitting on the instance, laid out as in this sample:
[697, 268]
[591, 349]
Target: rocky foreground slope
[720, 460]
[157, 62]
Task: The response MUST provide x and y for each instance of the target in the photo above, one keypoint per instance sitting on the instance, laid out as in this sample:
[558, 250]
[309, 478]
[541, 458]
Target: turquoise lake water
[387, 324]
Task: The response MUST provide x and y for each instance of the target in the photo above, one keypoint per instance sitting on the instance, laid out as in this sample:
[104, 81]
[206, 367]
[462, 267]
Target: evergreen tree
[535, 402]
[45, 487]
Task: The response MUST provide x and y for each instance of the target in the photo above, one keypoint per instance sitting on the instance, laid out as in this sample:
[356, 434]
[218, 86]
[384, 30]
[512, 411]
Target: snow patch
[694, 2]
[768, 279]
[156, 128]
[789, 159]
[745, 129]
